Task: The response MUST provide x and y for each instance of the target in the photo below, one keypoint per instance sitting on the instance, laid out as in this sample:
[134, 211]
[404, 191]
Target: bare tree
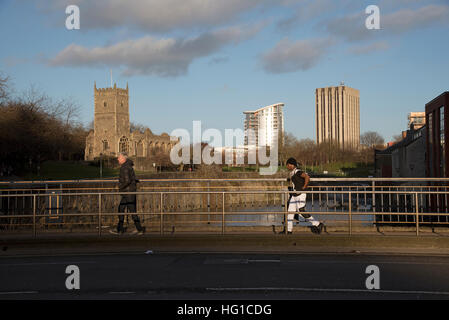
[397, 137]
[371, 139]
[137, 127]
[90, 125]
[3, 88]
[288, 148]
[35, 128]
[66, 109]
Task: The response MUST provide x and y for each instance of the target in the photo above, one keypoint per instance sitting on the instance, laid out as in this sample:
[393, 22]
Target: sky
[211, 60]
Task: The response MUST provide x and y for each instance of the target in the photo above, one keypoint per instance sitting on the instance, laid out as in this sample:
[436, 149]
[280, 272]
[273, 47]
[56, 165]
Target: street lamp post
[101, 166]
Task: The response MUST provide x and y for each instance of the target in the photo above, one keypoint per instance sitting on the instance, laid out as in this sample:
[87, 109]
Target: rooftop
[266, 107]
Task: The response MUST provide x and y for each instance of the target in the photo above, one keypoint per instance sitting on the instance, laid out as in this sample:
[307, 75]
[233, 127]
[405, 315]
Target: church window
[105, 145]
[124, 145]
[139, 149]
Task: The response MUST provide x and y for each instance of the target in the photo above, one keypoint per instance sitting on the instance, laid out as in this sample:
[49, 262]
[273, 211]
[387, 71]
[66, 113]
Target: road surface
[184, 276]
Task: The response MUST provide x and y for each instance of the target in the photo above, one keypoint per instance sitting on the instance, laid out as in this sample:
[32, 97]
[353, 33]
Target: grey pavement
[63, 243]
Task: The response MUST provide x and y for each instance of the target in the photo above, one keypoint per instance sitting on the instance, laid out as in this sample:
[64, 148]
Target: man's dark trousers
[125, 202]
[127, 183]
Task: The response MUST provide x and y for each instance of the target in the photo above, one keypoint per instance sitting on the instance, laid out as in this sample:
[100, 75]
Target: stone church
[111, 134]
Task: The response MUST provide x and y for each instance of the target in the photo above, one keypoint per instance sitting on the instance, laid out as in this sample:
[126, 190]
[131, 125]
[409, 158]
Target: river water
[335, 214]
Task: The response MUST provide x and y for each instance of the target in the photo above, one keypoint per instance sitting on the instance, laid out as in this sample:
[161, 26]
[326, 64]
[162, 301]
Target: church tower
[111, 132]
[111, 121]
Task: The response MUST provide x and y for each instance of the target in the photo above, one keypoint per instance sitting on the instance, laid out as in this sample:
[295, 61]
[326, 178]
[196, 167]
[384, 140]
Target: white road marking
[18, 292]
[43, 263]
[328, 290]
[363, 262]
[121, 292]
[240, 261]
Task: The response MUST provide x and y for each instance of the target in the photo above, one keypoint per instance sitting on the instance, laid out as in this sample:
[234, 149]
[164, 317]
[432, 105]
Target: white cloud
[407, 19]
[306, 10]
[352, 27]
[289, 56]
[167, 57]
[155, 15]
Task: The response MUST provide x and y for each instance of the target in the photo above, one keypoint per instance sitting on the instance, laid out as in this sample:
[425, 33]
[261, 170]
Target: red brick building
[437, 119]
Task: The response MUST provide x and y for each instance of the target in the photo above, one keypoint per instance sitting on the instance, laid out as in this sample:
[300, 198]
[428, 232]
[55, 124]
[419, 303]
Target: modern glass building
[266, 124]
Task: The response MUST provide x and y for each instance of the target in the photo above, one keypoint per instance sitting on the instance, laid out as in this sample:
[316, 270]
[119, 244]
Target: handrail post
[99, 214]
[223, 216]
[286, 212]
[417, 214]
[208, 201]
[350, 214]
[34, 216]
[161, 214]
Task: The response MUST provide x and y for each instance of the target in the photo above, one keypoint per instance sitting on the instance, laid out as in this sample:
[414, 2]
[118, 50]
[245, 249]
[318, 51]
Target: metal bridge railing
[47, 211]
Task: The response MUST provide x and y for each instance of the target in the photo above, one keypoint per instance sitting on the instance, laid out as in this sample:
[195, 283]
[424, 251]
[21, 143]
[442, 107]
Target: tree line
[309, 153]
[35, 128]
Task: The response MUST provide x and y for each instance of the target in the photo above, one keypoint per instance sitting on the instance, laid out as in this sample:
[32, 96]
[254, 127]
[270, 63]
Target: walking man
[127, 183]
[297, 201]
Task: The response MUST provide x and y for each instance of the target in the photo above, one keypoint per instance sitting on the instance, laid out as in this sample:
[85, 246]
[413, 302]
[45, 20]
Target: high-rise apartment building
[338, 116]
[267, 124]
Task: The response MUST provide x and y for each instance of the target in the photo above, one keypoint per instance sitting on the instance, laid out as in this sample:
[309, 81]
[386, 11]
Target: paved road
[160, 275]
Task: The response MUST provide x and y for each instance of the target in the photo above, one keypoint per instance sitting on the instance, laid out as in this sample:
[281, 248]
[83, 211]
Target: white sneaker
[139, 233]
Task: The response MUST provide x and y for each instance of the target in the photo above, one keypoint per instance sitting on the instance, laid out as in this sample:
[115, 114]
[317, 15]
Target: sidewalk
[428, 244]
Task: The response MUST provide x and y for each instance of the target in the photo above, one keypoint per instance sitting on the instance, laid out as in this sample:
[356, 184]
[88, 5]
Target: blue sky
[187, 60]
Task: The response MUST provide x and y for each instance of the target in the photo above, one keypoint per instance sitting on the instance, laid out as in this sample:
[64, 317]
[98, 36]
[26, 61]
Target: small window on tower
[105, 104]
[121, 104]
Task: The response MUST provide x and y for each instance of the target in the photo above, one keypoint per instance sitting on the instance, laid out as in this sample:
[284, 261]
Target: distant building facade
[437, 119]
[416, 119]
[267, 124]
[111, 134]
[338, 116]
[404, 159]
[408, 157]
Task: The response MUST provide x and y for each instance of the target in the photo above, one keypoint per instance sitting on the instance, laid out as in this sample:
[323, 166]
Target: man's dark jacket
[127, 181]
